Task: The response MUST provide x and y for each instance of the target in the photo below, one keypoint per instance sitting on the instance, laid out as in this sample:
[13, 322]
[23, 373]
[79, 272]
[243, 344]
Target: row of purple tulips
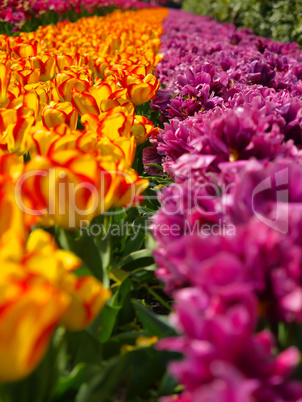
[229, 230]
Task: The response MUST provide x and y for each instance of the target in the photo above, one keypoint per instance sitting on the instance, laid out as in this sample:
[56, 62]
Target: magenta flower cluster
[229, 230]
[210, 68]
[17, 11]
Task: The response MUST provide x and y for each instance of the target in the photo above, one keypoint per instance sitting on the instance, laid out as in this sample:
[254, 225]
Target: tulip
[27, 49]
[29, 100]
[139, 70]
[100, 65]
[65, 88]
[121, 149]
[42, 140]
[38, 292]
[26, 77]
[4, 82]
[141, 129]
[130, 189]
[13, 91]
[69, 185]
[12, 219]
[88, 298]
[115, 122]
[86, 295]
[15, 126]
[84, 103]
[43, 244]
[141, 91]
[43, 92]
[63, 61]
[58, 113]
[99, 97]
[46, 64]
[19, 64]
[30, 309]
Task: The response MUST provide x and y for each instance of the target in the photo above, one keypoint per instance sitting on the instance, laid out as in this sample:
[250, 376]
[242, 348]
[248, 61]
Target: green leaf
[83, 245]
[155, 165]
[81, 373]
[153, 323]
[107, 322]
[143, 256]
[126, 376]
[108, 317]
[134, 242]
[168, 385]
[84, 347]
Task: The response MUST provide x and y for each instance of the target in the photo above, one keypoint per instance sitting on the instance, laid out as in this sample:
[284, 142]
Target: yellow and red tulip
[26, 77]
[69, 186]
[43, 140]
[72, 175]
[38, 291]
[4, 82]
[46, 64]
[15, 125]
[142, 129]
[141, 90]
[58, 113]
[30, 309]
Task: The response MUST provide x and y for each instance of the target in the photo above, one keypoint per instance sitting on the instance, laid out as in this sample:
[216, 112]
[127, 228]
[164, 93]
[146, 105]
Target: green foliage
[280, 19]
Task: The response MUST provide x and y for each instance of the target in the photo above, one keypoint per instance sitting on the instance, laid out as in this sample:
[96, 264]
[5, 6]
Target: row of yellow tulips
[51, 173]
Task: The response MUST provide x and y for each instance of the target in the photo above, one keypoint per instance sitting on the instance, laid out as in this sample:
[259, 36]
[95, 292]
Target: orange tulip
[65, 88]
[130, 189]
[26, 49]
[63, 61]
[88, 298]
[12, 218]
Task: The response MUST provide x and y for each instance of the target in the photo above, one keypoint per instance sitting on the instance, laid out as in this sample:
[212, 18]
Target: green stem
[159, 298]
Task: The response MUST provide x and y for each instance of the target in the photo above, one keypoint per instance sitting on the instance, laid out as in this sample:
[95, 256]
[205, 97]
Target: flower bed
[71, 97]
[228, 230]
[85, 313]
